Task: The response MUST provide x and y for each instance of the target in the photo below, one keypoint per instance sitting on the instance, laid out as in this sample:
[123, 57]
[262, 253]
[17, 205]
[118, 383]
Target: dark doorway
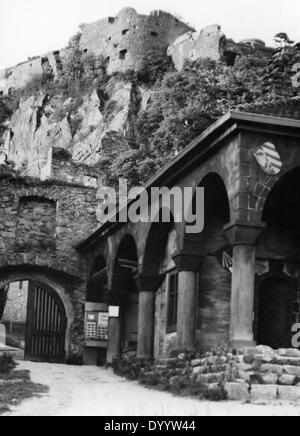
[46, 325]
[275, 313]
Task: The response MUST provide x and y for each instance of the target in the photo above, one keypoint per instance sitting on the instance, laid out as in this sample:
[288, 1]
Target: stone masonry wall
[17, 77]
[40, 227]
[208, 43]
[126, 39]
[16, 306]
[36, 221]
[74, 216]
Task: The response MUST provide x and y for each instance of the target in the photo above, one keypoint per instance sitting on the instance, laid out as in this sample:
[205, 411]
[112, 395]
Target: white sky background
[34, 27]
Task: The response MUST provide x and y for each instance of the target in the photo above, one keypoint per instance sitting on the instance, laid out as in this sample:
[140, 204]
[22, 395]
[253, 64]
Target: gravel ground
[92, 391]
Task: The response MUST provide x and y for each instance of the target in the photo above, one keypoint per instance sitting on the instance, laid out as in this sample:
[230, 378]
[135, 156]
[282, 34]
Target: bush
[7, 364]
[155, 66]
[130, 368]
[217, 393]
[75, 360]
[61, 154]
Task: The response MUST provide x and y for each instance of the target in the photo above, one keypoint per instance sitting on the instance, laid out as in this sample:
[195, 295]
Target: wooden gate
[46, 325]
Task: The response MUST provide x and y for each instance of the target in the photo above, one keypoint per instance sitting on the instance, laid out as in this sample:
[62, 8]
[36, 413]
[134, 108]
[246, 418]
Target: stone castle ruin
[125, 41]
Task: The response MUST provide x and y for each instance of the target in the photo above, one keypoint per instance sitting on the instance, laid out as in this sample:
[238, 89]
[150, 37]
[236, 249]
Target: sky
[34, 27]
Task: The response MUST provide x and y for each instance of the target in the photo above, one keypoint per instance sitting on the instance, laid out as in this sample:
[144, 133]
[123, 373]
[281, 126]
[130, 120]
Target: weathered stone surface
[290, 352]
[197, 45]
[287, 380]
[237, 391]
[270, 379]
[292, 370]
[289, 393]
[210, 378]
[264, 392]
[136, 33]
[260, 354]
[197, 370]
[2, 334]
[196, 362]
[270, 368]
[42, 124]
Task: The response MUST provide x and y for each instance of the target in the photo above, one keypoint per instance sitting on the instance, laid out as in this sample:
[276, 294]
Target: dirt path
[90, 391]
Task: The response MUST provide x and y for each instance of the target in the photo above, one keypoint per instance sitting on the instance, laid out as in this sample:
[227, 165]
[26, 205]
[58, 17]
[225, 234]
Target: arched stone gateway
[49, 316]
[40, 225]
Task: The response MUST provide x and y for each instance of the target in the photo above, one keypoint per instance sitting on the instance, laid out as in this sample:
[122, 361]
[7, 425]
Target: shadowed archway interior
[280, 243]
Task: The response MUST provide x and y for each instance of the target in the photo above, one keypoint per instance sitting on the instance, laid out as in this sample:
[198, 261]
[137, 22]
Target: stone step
[209, 378]
[210, 369]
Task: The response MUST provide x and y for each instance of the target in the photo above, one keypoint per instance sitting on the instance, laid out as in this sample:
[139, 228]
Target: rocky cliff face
[89, 128]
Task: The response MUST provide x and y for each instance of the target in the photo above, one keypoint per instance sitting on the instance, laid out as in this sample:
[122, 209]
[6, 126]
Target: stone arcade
[235, 283]
[152, 287]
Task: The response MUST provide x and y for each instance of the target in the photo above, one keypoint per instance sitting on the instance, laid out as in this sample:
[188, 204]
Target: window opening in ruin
[154, 34]
[172, 301]
[125, 31]
[123, 54]
[230, 57]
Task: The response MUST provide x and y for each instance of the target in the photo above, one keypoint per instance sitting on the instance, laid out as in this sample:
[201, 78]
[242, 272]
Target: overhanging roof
[207, 142]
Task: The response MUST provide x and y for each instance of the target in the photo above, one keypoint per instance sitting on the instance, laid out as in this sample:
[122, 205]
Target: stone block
[196, 362]
[264, 392]
[237, 391]
[270, 379]
[287, 380]
[289, 352]
[198, 370]
[245, 375]
[292, 370]
[289, 393]
[271, 368]
[210, 378]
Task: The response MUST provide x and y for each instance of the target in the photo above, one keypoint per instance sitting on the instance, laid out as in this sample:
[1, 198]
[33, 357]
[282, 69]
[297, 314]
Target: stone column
[116, 296]
[114, 339]
[147, 285]
[243, 238]
[187, 266]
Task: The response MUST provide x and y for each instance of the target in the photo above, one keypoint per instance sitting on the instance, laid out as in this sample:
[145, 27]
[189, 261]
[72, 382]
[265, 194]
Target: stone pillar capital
[186, 261]
[243, 234]
[148, 282]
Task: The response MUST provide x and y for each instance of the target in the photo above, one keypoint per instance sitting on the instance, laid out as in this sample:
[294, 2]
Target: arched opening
[161, 245]
[35, 320]
[275, 313]
[278, 251]
[125, 289]
[214, 278]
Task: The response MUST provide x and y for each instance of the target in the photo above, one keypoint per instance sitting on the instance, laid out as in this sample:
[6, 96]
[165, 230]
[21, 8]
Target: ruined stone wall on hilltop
[208, 43]
[126, 39]
[18, 76]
